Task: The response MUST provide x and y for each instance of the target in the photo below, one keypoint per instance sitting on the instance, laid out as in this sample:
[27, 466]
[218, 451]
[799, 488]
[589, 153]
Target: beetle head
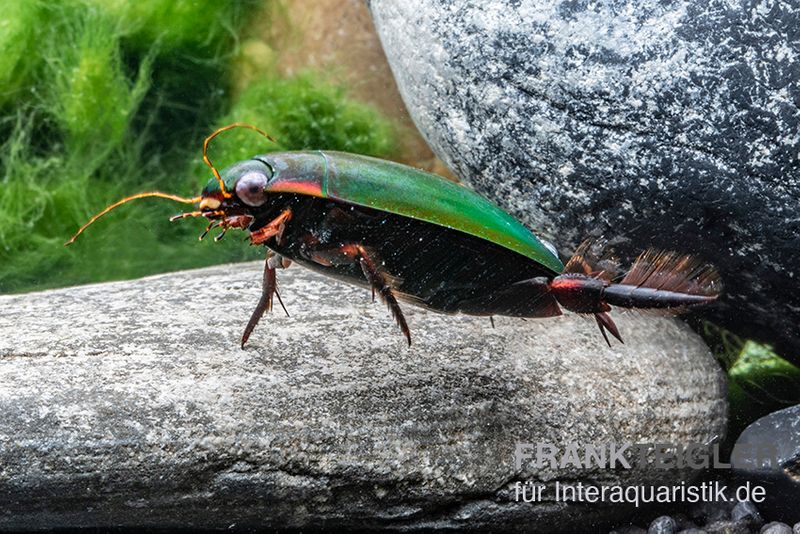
[229, 202]
[245, 184]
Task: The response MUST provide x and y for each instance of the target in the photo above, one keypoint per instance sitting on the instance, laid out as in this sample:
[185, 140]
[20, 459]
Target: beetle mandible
[416, 237]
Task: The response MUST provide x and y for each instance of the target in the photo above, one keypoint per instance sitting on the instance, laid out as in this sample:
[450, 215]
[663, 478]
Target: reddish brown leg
[273, 229]
[582, 293]
[269, 288]
[379, 280]
[605, 322]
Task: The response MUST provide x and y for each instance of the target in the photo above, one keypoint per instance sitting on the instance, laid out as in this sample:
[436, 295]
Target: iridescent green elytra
[396, 189]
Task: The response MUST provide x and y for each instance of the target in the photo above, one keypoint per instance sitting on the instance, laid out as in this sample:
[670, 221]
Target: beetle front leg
[274, 229]
[268, 289]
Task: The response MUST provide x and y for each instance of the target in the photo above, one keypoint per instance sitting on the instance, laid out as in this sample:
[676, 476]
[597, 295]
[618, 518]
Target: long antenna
[169, 196]
[207, 161]
[119, 203]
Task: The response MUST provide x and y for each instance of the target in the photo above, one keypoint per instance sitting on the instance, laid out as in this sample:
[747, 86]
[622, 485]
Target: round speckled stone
[673, 124]
[776, 527]
[131, 404]
[662, 525]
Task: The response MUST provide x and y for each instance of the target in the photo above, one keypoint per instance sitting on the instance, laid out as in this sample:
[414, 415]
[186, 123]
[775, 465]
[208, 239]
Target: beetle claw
[211, 226]
[221, 234]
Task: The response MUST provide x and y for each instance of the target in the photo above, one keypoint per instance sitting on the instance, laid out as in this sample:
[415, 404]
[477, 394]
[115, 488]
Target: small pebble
[746, 511]
[729, 527]
[796, 528]
[693, 531]
[776, 527]
[663, 525]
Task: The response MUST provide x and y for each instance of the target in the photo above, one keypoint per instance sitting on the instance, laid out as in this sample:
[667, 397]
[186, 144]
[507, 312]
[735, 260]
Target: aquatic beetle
[415, 237]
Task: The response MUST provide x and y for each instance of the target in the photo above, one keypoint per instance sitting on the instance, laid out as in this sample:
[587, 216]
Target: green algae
[301, 113]
[103, 98]
[759, 380]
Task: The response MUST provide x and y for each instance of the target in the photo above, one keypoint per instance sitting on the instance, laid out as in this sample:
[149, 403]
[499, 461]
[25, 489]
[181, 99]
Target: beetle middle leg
[275, 229]
[379, 280]
[268, 290]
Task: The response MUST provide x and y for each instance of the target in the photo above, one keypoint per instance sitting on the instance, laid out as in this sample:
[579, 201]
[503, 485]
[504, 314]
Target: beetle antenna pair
[169, 196]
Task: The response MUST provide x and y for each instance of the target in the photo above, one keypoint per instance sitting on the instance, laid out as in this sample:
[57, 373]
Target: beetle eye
[251, 188]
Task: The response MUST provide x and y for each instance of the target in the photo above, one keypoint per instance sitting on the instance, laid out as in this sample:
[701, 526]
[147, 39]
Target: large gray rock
[670, 124]
[131, 403]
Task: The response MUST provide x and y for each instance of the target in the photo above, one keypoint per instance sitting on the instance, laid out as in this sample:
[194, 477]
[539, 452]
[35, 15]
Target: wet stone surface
[131, 404]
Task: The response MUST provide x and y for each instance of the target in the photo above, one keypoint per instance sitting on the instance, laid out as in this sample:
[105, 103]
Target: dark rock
[767, 453]
[665, 124]
[683, 522]
[629, 529]
[707, 512]
[662, 525]
[776, 527]
[745, 511]
[130, 404]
